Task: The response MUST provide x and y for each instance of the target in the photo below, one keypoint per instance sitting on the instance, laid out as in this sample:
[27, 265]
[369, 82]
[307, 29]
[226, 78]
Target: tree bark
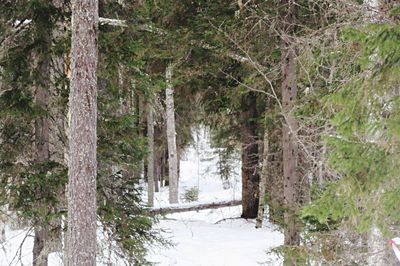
[81, 235]
[40, 254]
[250, 175]
[171, 138]
[150, 158]
[42, 129]
[292, 180]
[263, 181]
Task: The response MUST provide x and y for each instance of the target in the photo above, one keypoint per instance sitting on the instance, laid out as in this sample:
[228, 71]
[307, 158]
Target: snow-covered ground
[206, 238]
[212, 237]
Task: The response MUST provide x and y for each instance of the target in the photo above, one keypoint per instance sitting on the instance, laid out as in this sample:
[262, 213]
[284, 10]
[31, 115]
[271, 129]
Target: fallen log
[193, 207]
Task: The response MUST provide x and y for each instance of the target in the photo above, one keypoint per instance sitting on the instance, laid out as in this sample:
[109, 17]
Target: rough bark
[171, 138]
[204, 206]
[250, 175]
[263, 181]
[150, 158]
[81, 235]
[292, 180]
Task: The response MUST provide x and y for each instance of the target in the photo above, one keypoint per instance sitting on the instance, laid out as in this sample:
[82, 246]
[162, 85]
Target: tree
[292, 178]
[171, 137]
[263, 181]
[249, 143]
[35, 187]
[150, 157]
[82, 222]
[42, 128]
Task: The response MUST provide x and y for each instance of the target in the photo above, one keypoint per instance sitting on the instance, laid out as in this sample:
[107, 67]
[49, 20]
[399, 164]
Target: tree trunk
[250, 175]
[198, 207]
[263, 182]
[292, 180]
[171, 138]
[40, 254]
[150, 158]
[275, 176]
[81, 235]
[42, 129]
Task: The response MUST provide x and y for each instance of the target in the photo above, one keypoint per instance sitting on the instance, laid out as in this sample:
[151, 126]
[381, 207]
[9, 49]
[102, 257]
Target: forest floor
[208, 237]
[218, 236]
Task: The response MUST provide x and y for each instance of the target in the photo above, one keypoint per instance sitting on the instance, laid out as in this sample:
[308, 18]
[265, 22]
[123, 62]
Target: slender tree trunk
[150, 158]
[42, 128]
[292, 180]
[263, 182]
[81, 235]
[250, 175]
[171, 138]
[290, 150]
[157, 166]
[40, 255]
[275, 176]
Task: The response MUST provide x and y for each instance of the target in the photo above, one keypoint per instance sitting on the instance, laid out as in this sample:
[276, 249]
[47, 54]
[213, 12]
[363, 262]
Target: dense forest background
[306, 91]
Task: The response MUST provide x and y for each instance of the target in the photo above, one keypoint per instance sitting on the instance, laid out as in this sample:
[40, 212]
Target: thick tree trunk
[292, 180]
[250, 175]
[171, 138]
[150, 158]
[81, 235]
[263, 182]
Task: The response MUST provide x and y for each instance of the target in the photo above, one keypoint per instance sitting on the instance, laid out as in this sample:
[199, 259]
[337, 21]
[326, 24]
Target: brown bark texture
[81, 235]
[250, 175]
[289, 132]
[42, 136]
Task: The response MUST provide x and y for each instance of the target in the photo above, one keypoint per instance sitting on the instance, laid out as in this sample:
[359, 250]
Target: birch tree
[81, 235]
[171, 137]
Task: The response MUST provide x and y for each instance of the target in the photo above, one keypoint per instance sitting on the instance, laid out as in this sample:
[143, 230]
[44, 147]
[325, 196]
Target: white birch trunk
[150, 159]
[171, 138]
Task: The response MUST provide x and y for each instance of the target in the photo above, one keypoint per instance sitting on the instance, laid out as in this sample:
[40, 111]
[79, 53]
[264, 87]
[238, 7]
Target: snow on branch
[124, 24]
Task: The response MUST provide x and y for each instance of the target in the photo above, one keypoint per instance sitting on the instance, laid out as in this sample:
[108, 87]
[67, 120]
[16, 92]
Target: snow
[201, 238]
[205, 238]
[212, 237]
